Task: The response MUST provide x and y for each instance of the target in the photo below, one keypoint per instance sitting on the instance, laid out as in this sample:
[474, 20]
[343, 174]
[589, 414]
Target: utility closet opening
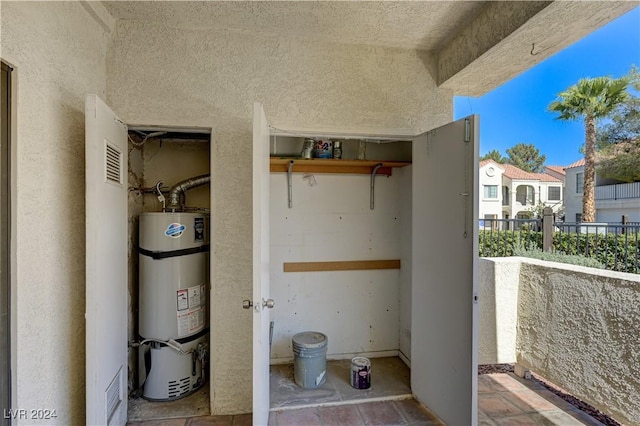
[169, 287]
[340, 256]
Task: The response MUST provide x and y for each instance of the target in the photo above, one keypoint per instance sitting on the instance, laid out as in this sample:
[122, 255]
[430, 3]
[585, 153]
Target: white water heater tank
[173, 275]
[173, 301]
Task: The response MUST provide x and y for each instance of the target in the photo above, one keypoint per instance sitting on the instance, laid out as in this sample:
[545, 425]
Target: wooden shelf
[322, 165]
[350, 265]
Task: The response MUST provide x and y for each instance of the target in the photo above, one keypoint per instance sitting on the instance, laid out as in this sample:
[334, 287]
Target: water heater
[173, 303]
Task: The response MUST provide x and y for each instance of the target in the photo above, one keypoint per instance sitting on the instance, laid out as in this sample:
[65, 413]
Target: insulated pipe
[178, 189]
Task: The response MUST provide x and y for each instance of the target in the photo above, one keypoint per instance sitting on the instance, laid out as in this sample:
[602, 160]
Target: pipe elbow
[180, 188]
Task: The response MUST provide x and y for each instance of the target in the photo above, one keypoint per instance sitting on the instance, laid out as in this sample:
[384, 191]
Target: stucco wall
[59, 51]
[579, 328]
[498, 309]
[203, 77]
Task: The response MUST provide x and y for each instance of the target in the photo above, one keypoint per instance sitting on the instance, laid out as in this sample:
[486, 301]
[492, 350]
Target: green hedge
[616, 252]
[502, 243]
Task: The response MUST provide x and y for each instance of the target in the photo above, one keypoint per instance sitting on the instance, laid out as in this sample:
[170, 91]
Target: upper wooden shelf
[326, 165]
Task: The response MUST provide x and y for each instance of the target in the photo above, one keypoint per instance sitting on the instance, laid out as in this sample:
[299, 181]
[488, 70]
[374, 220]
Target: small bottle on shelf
[337, 149]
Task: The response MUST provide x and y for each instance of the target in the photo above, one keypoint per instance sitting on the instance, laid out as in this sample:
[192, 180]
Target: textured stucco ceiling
[478, 44]
[424, 25]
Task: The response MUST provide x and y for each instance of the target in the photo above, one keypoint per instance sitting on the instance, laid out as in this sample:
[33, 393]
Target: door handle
[269, 303]
[247, 304]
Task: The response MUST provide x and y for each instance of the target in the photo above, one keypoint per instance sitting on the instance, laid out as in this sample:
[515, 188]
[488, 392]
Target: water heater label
[183, 299]
[191, 304]
[175, 230]
[198, 228]
[194, 296]
[190, 322]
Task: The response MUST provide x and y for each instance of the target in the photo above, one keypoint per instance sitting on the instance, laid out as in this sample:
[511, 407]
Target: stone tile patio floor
[503, 399]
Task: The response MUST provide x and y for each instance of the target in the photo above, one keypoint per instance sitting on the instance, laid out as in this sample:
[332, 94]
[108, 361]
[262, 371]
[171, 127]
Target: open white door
[261, 299]
[445, 253]
[106, 265]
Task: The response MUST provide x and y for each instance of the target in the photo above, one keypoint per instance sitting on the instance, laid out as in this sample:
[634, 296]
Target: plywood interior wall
[172, 161]
[359, 311]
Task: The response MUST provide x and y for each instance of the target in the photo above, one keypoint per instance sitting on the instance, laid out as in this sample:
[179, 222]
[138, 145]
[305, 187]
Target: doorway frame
[7, 234]
[470, 133]
[205, 130]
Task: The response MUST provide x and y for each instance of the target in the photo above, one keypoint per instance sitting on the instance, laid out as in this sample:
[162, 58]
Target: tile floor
[506, 399]
[503, 399]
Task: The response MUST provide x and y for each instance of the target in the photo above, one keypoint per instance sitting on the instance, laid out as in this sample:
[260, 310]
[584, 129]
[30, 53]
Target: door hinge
[122, 123]
[467, 130]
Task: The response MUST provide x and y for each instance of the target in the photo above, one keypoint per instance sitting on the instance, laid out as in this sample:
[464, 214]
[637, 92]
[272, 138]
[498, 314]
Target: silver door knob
[269, 303]
[247, 304]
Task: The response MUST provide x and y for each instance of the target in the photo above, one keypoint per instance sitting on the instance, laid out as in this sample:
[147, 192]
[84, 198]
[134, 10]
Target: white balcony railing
[618, 191]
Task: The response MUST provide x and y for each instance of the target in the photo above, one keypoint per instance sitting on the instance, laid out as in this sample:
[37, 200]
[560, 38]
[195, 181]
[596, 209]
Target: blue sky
[517, 111]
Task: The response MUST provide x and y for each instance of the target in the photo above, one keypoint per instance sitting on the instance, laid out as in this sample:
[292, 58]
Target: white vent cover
[113, 163]
[113, 395]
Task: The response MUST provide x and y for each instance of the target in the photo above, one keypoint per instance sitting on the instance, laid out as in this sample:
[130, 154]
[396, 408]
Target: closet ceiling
[423, 25]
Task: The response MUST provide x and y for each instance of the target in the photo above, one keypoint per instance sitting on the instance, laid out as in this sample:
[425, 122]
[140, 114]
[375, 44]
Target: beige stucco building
[613, 199]
[508, 192]
[344, 66]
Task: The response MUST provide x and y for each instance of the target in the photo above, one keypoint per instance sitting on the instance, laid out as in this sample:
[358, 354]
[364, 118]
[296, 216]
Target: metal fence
[498, 237]
[615, 245]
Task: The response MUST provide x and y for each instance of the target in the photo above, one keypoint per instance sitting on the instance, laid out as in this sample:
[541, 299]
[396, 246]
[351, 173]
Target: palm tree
[590, 99]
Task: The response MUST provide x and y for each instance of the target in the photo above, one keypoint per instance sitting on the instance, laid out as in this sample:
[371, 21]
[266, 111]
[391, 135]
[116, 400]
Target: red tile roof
[578, 163]
[513, 172]
[557, 169]
[485, 162]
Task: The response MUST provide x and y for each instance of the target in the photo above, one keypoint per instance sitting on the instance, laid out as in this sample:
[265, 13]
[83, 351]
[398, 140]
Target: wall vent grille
[113, 395]
[113, 163]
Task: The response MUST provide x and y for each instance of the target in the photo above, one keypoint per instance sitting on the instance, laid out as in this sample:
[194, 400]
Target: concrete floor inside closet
[196, 404]
[389, 380]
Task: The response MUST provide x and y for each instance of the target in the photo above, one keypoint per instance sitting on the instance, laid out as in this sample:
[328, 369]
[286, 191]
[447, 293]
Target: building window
[554, 193]
[505, 195]
[578, 217]
[491, 191]
[579, 182]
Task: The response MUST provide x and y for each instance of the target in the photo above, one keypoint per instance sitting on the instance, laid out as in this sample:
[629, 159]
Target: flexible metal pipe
[178, 189]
